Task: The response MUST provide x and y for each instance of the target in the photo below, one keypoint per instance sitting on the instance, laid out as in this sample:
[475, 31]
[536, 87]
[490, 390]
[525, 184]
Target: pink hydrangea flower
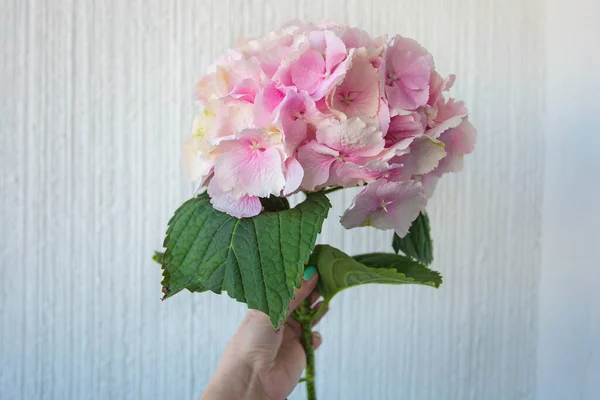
[386, 205]
[358, 94]
[457, 142]
[317, 66]
[312, 106]
[424, 156]
[404, 126]
[445, 115]
[408, 71]
[295, 116]
[337, 143]
[251, 164]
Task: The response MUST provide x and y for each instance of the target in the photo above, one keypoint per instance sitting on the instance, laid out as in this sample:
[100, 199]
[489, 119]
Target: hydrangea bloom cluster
[314, 106]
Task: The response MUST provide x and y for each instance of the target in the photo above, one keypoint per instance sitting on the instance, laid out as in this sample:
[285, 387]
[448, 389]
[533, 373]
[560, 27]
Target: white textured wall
[95, 100]
[569, 312]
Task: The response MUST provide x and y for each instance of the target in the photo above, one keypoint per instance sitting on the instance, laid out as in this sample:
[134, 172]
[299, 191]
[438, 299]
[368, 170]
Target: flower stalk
[305, 316]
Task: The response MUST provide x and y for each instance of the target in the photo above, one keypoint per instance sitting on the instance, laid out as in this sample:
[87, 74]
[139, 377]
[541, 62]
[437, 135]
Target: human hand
[260, 363]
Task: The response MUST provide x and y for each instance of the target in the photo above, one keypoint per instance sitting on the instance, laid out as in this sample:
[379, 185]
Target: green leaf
[274, 203]
[258, 261]
[404, 265]
[158, 257]
[417, 243]
[338, 271]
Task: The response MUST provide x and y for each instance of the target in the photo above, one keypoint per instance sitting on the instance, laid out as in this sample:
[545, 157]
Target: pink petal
[449, 115]
[307, 73]
[249, 165]
[386, 205]
[243, 207]
[349, 174]
[316, 159]
[437, 86]
[293, 116]
[459, 141]
[358, 94]
[425, 155]
[397, 149]
[335, 52]
[407, 201]
[334, 79]
[403, 98]
[293, 175]
[326, 42]
[353, 137]
[266, 101]
[195, 167]
[408, 67]
[246, 90]
[384, 117]
[404, 126]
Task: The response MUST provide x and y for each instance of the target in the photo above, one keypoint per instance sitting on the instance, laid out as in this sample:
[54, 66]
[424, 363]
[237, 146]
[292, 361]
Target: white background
[95, 100]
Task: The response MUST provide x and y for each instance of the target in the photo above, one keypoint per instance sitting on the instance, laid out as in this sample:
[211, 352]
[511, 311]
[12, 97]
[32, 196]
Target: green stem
[331, 190]
[321, 310]
[305, 319]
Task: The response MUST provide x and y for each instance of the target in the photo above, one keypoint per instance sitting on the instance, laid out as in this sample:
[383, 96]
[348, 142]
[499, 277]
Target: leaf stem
[333, 189]
[305, 319]
[319, 313]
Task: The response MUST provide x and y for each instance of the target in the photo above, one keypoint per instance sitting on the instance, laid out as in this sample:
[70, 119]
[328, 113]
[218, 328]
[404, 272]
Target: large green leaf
[417, 243]
[338, 271]
[256, 260]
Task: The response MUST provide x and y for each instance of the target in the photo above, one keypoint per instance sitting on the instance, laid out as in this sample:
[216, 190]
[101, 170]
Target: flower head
[310, 106]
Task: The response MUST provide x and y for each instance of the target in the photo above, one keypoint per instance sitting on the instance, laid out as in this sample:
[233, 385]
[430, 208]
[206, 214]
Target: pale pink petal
[358, 94]
[316, 159]
[335, 52]
[334, 78]
[458, 142]
[425, 155]
[195, 167]
[293, 175]
[246, 90]
[349, 174]
[408, 72]
[384, 117]
[397, 149]
[403, 98]
[429, 182]
[266, 101]
[438, 85]
[405, 204]
[243, 207]
[404, 126]
[447, 115]
[233, 116]
[307, 73]
[386, 205]
[353, 138]
[213, 85]
[359, 211]
[292, 117]
[249, 165]
[332, 47]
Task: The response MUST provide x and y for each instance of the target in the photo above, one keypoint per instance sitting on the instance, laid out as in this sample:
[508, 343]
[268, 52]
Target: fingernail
[317, 336]
[309, 272]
